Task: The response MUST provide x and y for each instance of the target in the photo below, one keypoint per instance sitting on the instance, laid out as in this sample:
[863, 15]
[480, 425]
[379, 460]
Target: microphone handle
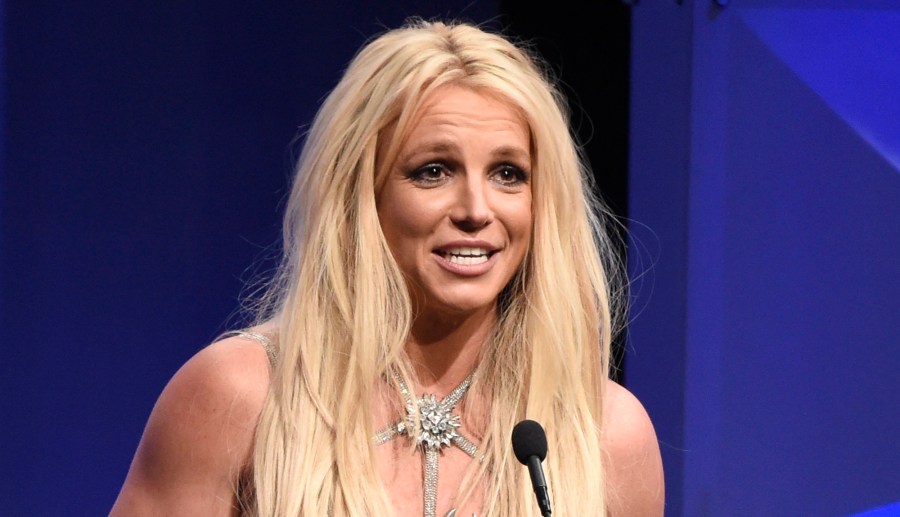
[540, 485]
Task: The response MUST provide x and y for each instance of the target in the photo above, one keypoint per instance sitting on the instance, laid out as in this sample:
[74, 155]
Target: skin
[199, 437]
[461, 178]
[200, 434]
[460, 183]
[634, 471]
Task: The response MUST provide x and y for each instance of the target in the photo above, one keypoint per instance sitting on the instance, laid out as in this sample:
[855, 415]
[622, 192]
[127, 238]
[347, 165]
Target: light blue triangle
[849, 57]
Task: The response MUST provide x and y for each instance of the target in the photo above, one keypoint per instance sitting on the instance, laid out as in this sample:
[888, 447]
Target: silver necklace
[437, 429]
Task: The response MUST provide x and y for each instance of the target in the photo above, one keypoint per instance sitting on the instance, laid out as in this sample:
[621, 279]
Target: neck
[444, 348]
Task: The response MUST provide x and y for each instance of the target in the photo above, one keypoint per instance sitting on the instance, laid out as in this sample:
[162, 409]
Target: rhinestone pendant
[437, 429]
[438, 426]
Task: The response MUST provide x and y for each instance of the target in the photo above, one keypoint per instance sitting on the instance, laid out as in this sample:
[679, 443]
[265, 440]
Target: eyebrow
[441, 146]
[508, 151]
[434, 146]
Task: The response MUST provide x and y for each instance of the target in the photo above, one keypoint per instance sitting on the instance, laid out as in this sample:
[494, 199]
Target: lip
[467, 243]
[468, 270]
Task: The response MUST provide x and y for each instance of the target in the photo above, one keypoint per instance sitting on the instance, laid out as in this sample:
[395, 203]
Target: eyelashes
[509, 174]
[432, 174]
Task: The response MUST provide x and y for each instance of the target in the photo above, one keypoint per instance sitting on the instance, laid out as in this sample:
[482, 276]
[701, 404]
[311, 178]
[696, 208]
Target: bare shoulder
[199, 437]
[226, 381]
[633, 465]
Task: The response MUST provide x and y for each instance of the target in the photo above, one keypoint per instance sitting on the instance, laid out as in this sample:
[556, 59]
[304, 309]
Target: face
[456, 206]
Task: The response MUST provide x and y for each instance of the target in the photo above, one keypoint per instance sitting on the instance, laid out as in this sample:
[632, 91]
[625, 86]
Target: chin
[460, 305]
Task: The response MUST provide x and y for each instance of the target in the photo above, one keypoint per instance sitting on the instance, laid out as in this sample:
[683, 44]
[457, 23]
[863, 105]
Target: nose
[472, 209]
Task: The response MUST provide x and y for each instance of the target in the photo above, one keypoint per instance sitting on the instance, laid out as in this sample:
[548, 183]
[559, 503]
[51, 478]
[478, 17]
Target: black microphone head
[528, 439]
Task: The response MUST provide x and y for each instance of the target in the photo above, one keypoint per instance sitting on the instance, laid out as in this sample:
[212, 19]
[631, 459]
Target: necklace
[437, 429]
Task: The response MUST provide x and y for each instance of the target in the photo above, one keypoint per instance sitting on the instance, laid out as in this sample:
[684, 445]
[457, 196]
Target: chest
[402, 471]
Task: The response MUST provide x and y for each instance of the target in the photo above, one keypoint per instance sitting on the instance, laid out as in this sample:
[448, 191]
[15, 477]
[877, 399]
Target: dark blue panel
[850, 58]
[811, 301]
[146, 152]
[779, 298]
[706, 264]
[658, 197]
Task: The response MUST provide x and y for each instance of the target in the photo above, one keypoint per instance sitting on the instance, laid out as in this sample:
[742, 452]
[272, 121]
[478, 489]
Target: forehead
[454, 106]
[447, 107]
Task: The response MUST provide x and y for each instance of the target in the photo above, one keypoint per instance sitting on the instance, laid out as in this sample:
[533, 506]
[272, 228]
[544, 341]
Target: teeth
[464, 259]
[467, 251]
[465, 255]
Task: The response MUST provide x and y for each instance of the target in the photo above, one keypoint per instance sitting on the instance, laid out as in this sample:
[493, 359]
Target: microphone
[530, 447]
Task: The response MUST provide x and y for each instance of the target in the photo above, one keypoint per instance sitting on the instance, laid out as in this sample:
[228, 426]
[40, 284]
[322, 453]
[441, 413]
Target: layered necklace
[437, 429]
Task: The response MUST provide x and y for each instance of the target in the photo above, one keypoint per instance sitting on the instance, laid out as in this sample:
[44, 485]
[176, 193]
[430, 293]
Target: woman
[443, 279]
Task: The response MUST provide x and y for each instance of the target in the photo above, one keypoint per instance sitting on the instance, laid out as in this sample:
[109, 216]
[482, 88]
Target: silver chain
[437, 429]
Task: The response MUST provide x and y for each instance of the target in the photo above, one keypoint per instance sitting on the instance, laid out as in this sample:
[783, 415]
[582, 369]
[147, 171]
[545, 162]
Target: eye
[510, 175]
[431, 174]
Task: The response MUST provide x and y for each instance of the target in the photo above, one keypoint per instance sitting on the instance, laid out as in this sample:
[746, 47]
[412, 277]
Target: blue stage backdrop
[765, 164]
[146, 149]
[146, 154]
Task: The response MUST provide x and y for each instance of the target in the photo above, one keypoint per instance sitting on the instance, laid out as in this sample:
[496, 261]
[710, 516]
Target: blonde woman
[443, 279]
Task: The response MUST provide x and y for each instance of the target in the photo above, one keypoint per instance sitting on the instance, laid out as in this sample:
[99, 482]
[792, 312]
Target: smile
[466, 256]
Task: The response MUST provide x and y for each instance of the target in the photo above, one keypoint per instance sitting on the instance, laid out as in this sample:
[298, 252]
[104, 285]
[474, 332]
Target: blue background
[144, 156]
[765, 199]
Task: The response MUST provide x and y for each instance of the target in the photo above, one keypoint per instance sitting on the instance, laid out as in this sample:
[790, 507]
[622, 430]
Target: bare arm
[635, 484]
[199, 437]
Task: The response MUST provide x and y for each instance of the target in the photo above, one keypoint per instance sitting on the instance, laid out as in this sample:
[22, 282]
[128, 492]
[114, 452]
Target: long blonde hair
[343, 312]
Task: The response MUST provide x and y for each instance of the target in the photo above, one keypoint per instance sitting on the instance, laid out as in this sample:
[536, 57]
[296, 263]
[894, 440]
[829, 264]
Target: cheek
[521, 222]
[524, 229]
[402, 221]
